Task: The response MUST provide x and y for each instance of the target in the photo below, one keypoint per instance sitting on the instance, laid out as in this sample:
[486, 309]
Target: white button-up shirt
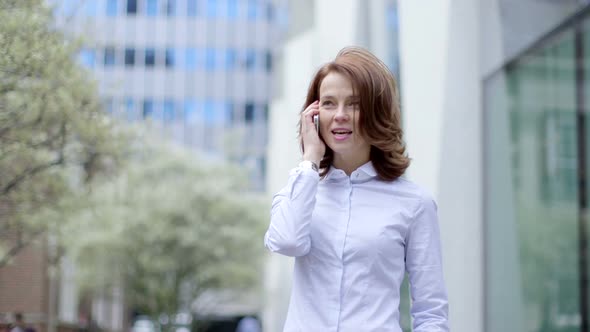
[354, 238]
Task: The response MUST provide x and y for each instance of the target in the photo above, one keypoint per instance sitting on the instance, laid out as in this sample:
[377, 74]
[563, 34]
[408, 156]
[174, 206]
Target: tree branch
[20, 244]
[39, 168]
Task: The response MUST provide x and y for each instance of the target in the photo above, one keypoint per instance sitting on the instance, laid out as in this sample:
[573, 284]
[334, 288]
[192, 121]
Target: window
[250, 59]
[90, 8]
[232, 8]
[131, 7]
[252, 9]
[171, 8]
[109, 56]
[168, 115]
[249, 113]
[170, 58]
[265, 112]
[148, 108]
[191, 8]
[230, 58]
[130, 109]
[534, 192]
[210, 59]
[210, 112]
[111, 7]
[229, 113]
[151, 7]
[109, 105]
[190, 110]
[67, 8]
[270, 11]
[87, 58]
[190, 58]
[129, 57]
[214, 112]
[211, 8]
[150, 57]
[268, 61]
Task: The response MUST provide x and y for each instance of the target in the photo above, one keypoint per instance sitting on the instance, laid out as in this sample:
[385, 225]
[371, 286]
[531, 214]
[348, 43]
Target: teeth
[343, 132]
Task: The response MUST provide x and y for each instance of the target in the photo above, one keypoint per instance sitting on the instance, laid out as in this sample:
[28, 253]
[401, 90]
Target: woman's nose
[341, 114]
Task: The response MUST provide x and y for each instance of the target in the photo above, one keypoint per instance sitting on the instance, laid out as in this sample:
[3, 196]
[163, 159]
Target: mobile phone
[316, 121]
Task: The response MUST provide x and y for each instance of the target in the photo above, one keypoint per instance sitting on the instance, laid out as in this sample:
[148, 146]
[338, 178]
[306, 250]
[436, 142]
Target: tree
[53, 133]
[168, 228]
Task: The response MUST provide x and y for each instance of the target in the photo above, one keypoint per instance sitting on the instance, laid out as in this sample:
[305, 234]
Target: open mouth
[341, 134]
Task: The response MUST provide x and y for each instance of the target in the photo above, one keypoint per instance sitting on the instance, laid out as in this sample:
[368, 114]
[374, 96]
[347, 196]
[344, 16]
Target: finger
[312, 108]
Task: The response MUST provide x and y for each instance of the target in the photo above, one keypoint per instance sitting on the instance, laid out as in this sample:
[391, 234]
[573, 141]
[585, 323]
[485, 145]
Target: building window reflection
[129, 57]
[190, 58]
[232, 8]
[87, 58]
[151, 7]
[212, 8]
[210, 59]
[171, 8]
[131, 7]
[253, 9]
[148, 108]
[109, 56]
[191, 8]
[150, 57]
[533, 191]
[111, 8]
[170, 58]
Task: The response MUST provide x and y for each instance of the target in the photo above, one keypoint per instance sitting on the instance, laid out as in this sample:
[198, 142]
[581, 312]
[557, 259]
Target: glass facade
[535, 206]
[180, 63]
[111, 7]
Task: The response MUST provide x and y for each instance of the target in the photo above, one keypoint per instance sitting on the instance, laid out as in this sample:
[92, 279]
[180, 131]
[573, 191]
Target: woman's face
[339, 119]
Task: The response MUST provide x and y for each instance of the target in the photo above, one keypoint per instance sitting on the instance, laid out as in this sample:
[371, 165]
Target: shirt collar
[365, 171]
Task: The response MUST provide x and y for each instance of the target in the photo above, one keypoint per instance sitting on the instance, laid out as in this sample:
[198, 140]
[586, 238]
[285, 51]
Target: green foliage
[169, 227]
[53, 133]
[165, 226]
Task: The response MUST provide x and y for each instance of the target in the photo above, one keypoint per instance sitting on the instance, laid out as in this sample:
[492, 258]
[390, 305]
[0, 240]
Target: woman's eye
[326, 103]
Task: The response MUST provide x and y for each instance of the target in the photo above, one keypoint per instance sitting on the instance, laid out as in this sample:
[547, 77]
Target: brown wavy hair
[379, 116]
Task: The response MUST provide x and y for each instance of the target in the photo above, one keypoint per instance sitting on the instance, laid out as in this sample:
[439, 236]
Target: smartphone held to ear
[316, 121]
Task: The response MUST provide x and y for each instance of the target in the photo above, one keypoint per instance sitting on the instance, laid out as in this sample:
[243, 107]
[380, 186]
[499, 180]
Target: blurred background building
[501, 141]
[494, 109]
[494, 96]
[199, 70]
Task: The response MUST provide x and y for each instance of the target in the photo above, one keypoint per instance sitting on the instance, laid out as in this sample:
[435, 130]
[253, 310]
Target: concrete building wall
[448, 60]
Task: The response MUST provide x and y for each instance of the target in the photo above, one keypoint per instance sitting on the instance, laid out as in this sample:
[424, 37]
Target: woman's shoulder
[407, 188]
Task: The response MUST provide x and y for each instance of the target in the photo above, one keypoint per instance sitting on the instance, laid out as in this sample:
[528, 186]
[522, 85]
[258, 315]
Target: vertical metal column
[582, 180]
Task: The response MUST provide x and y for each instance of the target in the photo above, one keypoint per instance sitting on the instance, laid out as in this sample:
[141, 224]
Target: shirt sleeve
[424, 266]
[288, 232]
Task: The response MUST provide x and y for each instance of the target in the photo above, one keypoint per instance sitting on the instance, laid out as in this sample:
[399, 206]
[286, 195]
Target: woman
[353, 224]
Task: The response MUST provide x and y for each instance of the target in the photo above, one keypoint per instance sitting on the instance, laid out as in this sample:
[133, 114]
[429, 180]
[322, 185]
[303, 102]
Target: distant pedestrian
[19, 323]
[248, 324]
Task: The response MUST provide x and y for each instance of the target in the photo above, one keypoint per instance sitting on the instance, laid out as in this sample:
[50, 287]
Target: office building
[501, 140]
[199, 70]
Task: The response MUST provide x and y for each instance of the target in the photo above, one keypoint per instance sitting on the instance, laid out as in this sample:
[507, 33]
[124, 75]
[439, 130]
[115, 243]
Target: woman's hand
[313, 146]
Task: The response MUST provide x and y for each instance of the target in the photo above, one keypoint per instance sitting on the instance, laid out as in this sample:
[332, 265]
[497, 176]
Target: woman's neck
[349, 163]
